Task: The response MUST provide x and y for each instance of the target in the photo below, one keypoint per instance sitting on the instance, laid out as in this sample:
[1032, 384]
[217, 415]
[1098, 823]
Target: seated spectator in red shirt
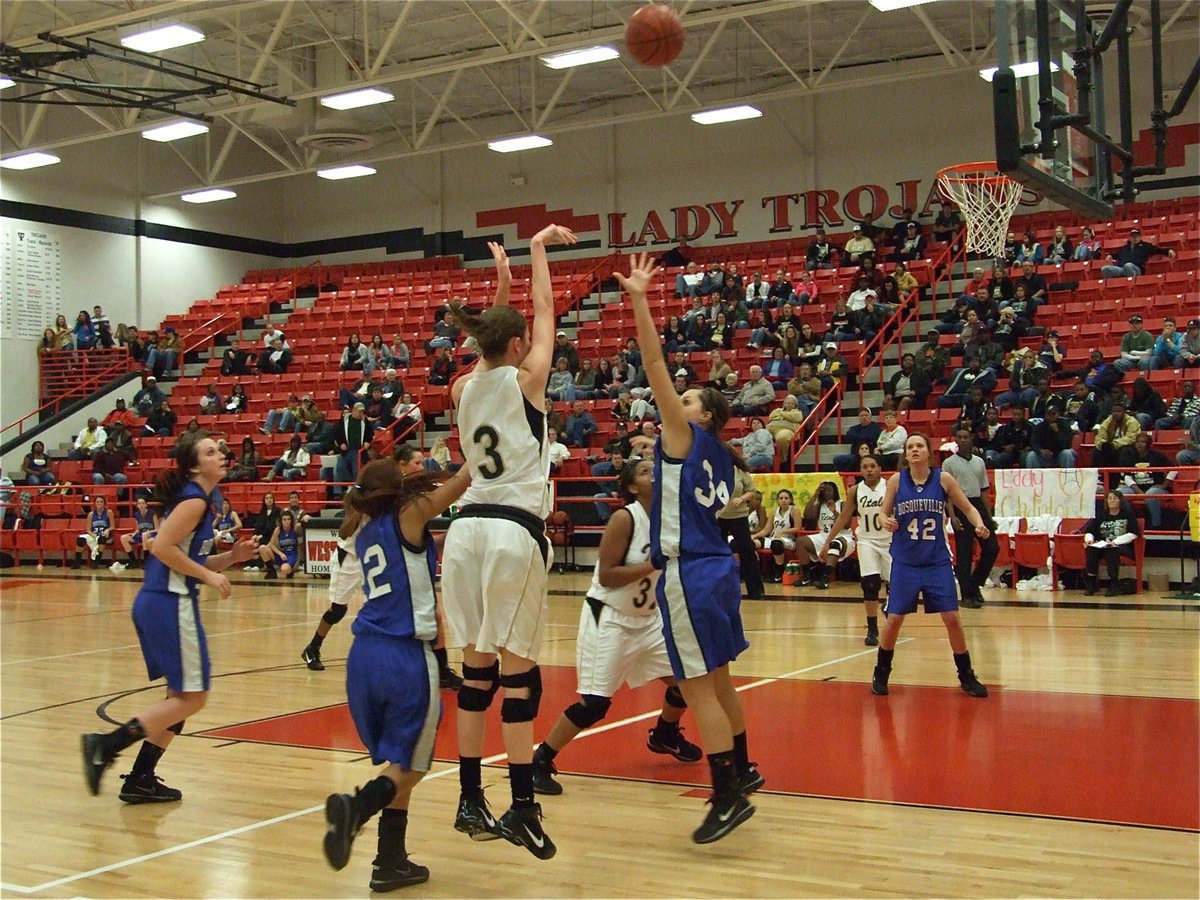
[120, 413]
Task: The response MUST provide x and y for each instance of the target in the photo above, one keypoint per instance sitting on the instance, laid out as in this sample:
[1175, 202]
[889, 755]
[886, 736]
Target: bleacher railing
[827, 407]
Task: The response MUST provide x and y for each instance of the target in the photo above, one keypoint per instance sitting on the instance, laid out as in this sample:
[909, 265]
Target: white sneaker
[117, 567]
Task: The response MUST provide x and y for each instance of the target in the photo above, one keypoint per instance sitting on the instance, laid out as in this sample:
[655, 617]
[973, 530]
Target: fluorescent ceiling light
[727, 114]
[6, 83]
[209, 196]
[166, 38]
[1021, 70]
[29, 160]
[525, 142]
[889, 5]
[339, 172]
[355, 99]
[174, 131]
[588, 55]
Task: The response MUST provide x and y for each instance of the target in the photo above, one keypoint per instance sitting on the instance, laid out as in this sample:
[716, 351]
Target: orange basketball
[654, 35]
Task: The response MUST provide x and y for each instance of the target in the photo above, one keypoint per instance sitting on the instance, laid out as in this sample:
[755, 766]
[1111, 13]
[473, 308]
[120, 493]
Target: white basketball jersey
[503, 439]
[782, 520]
[636, 598]
[870, 513]
[826, 517]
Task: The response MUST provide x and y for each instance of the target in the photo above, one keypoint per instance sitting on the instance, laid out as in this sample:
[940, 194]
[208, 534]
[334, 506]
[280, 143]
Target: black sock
[125, 736]
[662, 725]
[393, 827]
[962, 662]
[723, 768]
[546, 752]
[740, 754]
[443, 662]
[885, 658]
[872, 623]
[521, 778]
[470, 774]
[373, 796]
[317, 640]
[148, 756]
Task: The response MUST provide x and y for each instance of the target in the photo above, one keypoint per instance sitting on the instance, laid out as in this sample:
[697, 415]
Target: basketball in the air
[654, 35]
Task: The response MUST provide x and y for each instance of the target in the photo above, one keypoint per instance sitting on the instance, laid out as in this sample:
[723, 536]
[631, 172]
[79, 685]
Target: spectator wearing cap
[1115, 432]
[1189, 348]
[819, 254]
[832, 366]
[1051, 354]
[1130, 260]
[1051, 441]
[1137, 347]
[563, 348]
[911, 246]
[858, 245]
[1168, 348]
[120, 413]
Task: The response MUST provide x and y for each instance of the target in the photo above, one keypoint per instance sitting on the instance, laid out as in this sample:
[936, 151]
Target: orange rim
[973, 172]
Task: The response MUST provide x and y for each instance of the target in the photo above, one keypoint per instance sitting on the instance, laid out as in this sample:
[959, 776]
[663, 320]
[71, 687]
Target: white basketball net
[987, 200]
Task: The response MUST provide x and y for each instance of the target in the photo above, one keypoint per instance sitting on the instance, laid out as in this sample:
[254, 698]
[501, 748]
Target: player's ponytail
[492, 329]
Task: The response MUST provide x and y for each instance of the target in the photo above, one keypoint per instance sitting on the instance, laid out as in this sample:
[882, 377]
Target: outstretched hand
[641, 272]
[555, 234]
[499, 256]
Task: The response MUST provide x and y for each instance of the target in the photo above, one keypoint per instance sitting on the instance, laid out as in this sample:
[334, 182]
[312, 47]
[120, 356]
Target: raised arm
[676, 430]
[503, 274]
[959, 499]
[416, 515]
[535, 370]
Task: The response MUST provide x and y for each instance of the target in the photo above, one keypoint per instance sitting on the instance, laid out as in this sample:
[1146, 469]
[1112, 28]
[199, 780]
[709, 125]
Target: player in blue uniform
[99, 532]
[284, 549]
[227, 524]
[699, 592]
[146, 526]
[915, 507]
[391, 672]
[167, 616]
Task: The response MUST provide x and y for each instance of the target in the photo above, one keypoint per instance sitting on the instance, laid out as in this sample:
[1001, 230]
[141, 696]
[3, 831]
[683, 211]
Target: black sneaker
[343, 826]
[523, 827]
[879, 681]
[972, 602]
[96, 759]
[147, 789]
[724, 814]
[475, 819]
[751, 780]
[805, 581]
[543, 777]
[671, 741]
[872, 639]
[823, 582]
[312, 658]
[390, 876]
[972, 685]
[449, 680]
[271, 573]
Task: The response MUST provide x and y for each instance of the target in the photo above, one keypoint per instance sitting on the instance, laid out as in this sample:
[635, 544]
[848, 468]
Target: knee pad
[521, 709]
[674, 697]
[473, 699]
[177, 728]
[838, 547]
[588, 711]
[777, 547]
[335, 614]
[871, 586]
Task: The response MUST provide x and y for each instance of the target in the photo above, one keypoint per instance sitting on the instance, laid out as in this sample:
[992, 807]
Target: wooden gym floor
[1076, 778]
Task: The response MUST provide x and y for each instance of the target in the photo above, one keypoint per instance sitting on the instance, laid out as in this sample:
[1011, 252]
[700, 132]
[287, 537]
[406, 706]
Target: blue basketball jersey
[397, 582]
[98, 523]
[196, 545]
[145, 522]
[288, 540]
[688, 494]
[921, 512]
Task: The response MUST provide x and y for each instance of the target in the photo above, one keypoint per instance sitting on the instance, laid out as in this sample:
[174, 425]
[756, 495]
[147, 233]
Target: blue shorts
[392, 685]
[172, 638]
[935, 584]
[700, 598]
[289, 558]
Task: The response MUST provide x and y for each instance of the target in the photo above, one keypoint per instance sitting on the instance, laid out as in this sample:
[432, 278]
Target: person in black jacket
[1138, 459]
[909, 387]
[1109, 536]
[1051, 446]
[820, 252]
[1130, 260]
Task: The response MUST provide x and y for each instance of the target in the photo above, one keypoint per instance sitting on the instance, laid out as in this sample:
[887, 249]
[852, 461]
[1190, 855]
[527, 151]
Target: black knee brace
[335, 614]
[588, 711]
[674, 697]
[473, 699]
[871, 585]
[521, 709]
[177, 728]
[777, 547]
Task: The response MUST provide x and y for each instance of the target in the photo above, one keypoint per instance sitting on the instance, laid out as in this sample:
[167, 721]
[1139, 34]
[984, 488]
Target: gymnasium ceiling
[462, 71]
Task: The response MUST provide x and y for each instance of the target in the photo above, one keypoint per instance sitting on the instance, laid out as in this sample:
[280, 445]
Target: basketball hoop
[987, 198]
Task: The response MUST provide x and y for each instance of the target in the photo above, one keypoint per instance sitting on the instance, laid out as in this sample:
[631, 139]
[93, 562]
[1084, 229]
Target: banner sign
[1068, 493]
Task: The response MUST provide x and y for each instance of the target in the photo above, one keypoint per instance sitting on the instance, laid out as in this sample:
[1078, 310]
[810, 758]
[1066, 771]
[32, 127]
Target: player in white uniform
[778, 534]
[620, 635]
[497, 556]
[825, 507]
[874, 541]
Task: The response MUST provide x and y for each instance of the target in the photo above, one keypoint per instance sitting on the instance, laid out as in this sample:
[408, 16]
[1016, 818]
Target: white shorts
[618, 649]
[345, 578]
[788, 541]
[874, 559]
[494, 586]
[819, 539]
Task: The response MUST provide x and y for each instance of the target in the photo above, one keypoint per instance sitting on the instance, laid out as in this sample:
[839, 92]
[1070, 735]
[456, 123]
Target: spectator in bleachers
[1146, 404]
[379, 409]
[755, 396]
[1024, 373]
[192, 426]
[932, 358]
[841, 323]
[947, 224]
[443, 367]
[563, 348]
[624, 375]
[858, 297]
[713, 280]
[807, 347]
[805, 387]
[1088, 247]
[732, 290]
[784, 424]
[283, 418]
[1189, 456]
[238, 401]
[720, 335]
[1050, 443]
[401, 356]
[1079, 408]
[757, 446]
[149, 398]
[1137, 459]
[559, 453]
[608, 469]
[1012, 247]
[245, 466]
[122, 439]
[642, 409]
[680, 361]
[354, 355]
[973, 376]
[1030, 251]
[1130, 260]
[104, 335]
[561, 385]
[676, 256]
[84, 332]
[297, 510]
[1168, 348]
[991, 354]
[757, 291]
[48, 343]
[780, 291]
[682, 383]
[120, 413]
[889, 447]
[869, 320]
[109, 465]
[956, 317]
[554, 418]
[579, 427]
[1189, 351]
[868, 270]
[1098, 374]
[321, 435]
[585, 380]
[699, 333]
[717, 369]
[1061, 249]
[804, 292]
[1024, 310]
[675, 336]
[1011, 443]
[820, 252]
[865, 431]
[1182, 409]
[89, 440]
[622, 405]
[641, 445]
[234, 361]
[276, 358]
[1000, 286]
[858, 245]
[603, 378]
[1117, 431]
[687, 282]
[622, 442]
[906, 281]
[352, 436]
[888, 296]
[1137, 346]
[631, 354]
[912, 246]
[439, 456]
[779, 370]
[1041, 400]
[35, 466]
[1034, 284]
[909, 386]
[900, 227]
[1051, 353]
[271, 333]
[1005, 333]
[64, 337]
[161, 421]
[392, 386]
[831, 367]
[378, 354]
[871, 230]
[361, 390]
[211, 402]
[445, 332]
[265, 522]
[167, 353]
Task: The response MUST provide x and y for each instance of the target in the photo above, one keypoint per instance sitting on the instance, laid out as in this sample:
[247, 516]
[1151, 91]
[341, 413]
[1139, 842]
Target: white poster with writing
[1069, 493]
[32, 285]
